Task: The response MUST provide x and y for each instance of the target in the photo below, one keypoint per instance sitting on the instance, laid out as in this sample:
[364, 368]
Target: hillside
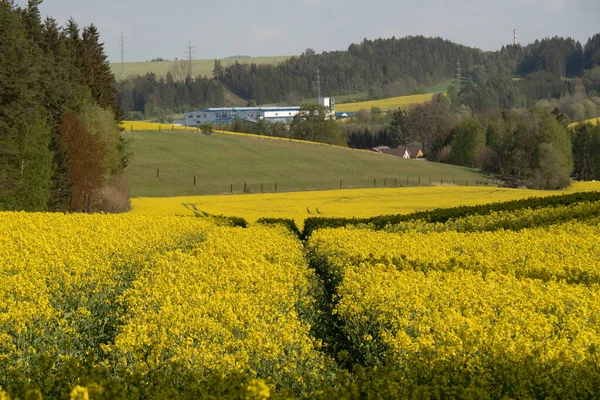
[199, 67]
[220, 160]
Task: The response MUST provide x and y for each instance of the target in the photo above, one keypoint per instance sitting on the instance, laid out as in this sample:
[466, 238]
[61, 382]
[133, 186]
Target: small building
[407, 152]
[227, 115]
[251, 114]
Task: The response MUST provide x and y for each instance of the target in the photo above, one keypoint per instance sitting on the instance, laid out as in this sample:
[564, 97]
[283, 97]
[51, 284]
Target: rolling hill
[200, 67]
[220, 160]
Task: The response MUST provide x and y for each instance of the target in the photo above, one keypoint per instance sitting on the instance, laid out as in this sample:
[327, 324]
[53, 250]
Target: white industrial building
[250, 114]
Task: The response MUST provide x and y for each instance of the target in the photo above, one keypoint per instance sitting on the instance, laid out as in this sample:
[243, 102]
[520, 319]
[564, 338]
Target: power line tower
[190, 54]
[122, 43]
[317, 84]
[458, 74]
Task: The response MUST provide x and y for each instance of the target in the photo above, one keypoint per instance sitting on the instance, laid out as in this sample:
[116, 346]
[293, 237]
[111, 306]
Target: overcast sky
[222, 28]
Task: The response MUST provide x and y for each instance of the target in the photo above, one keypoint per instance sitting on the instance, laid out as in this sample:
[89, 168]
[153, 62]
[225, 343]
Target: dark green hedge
[287, 222]
[444, 214]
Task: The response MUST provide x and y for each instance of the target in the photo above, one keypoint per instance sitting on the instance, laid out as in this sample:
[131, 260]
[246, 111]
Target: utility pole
[317, 84]
[191, 52]
[515, 42]
[122, 42]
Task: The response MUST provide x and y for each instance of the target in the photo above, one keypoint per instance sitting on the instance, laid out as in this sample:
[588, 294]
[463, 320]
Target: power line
[190, 54]
[122, 43]
[317, 84]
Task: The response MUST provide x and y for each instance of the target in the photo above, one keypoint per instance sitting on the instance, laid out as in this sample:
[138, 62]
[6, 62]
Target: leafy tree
[586, 151]
[313, 123]
[84, 153]
[398, 129]
[552, 171]
[468, 140]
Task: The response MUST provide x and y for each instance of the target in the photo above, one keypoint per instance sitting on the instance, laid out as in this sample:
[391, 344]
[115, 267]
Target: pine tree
[25, 160]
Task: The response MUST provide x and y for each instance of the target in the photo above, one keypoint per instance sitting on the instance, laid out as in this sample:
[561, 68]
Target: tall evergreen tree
[25, 160]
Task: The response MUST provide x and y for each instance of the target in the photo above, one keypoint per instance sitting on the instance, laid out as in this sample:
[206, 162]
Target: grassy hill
[220, 160]
[200, 67]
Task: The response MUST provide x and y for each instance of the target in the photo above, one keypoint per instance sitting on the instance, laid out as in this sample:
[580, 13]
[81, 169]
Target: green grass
[220, 160]
[443, 86]
[200, 67]
[351, 98]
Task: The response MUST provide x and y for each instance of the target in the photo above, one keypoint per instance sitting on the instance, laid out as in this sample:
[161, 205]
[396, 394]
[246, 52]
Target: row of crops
[155, 307]
[501, 301]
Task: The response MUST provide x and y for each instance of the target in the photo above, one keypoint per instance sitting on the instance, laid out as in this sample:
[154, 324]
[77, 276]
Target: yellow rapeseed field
[339, 203]
[519, 310]
[136, 126]
[385, 104]
[154, 297]
[593, 121]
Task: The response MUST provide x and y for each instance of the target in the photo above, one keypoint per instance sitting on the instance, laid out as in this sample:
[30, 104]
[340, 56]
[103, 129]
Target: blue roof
[255, 109]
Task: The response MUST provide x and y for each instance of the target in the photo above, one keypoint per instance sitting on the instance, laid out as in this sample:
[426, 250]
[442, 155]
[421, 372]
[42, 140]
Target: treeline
[382, 67]
[578, 98]
[387, 67]
[394, 67]
[151, 97]
[531, 147]
[60, 142]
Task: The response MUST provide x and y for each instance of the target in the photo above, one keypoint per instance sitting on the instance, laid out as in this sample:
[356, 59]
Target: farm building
[401, 151]
[250, 114]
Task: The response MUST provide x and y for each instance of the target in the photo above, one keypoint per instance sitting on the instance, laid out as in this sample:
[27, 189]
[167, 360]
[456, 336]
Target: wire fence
[352, 183]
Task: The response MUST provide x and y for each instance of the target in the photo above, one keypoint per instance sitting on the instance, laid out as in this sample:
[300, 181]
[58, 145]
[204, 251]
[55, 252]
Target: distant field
[443, 87]
[220, 160]
[339, 203]
[200, 67]
[593, 121]
[385, 104]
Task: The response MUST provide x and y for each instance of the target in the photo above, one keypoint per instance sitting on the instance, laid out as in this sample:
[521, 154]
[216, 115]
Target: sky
[223, 28]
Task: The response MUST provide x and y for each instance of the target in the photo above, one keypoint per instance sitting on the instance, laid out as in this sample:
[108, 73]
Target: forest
[59, 118]
[382, 68]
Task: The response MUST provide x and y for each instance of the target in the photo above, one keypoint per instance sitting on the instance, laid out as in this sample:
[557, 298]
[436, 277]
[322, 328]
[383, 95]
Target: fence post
[341, 183]
[407, 181]
[172, 128]
[194, 180]
[158, 128]
[419, 180]
[261, 187]
[275, 186]
[157, 172]
[467, 182]
[442, 181]
[245, 187]
[232, 188]
[131, 129]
